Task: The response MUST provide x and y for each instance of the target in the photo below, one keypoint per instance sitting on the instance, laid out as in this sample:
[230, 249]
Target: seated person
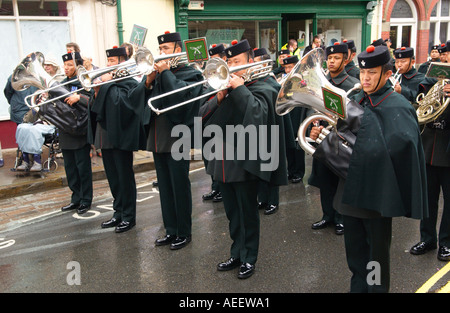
[30, 136]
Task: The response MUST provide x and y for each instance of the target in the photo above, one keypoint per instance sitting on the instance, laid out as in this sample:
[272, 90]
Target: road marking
[434, 279]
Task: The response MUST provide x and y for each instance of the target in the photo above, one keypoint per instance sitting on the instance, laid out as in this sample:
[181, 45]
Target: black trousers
[241, 208]
[268, 193]
[77, 164]
[437, 177]
[368, 240]
[296, 162]
[175, 194]
[120, 174]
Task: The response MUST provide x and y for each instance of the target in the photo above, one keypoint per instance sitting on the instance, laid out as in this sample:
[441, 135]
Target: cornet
[217, 75]
[395, 78]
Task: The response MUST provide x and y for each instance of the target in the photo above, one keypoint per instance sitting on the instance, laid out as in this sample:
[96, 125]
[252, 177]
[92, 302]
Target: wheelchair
[51, 142]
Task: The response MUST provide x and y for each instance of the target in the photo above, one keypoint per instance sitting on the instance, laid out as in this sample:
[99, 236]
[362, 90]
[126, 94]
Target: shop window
[261, 34]
[401, 10]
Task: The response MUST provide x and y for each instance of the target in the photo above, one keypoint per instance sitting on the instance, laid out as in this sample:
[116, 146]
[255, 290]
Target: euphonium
[433, 103]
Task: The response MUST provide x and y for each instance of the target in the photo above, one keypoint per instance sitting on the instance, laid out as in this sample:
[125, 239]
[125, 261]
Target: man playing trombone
[172, 174]
[117, 129]
[245, 103]
[409, 78]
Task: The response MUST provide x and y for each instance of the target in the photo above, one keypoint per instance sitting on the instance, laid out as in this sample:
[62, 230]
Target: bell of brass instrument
[433, 103]
[306, 86]
[30, 72]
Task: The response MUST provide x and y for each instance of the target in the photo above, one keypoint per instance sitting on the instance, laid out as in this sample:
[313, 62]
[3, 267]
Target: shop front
[270, 24]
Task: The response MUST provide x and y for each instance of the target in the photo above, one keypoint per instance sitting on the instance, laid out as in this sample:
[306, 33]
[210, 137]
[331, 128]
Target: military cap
[350, 43]
[442, 48]
[169, 37]
[284, 51]
[259, 52]
[404, 53]
[291, 59]
[336, 48]
[374, 56]
[237, 48]
[69, 56]
[116, 52]
[379, 42]
[216, 49]
[435, 47]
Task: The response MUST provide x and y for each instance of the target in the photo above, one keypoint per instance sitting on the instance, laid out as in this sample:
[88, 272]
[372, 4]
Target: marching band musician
[434, 57]
[75, 148]
[172, 175]
[244, 103]
[117, 129]
[351, 67]
[321, 176]
[269, 194]
[410, 78]
[436, 145]
[380, 185]
[216, 51]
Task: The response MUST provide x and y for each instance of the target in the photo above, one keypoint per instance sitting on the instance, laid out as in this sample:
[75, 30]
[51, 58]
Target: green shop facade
[270, 24]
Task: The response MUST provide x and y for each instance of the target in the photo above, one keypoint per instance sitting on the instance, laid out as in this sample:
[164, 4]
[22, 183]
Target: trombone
[395, 78]
[142, 64]
[217, 75]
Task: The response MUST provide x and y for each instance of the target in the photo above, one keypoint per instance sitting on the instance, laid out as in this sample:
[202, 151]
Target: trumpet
[142, 64]
[217, 75]
[395, 78]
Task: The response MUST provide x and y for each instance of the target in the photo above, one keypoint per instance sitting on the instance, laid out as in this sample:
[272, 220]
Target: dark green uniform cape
[352, 69]
[252, 104]
[118, 108]
[387, 168]
[423, 68]
[410, 84]
[160, 139]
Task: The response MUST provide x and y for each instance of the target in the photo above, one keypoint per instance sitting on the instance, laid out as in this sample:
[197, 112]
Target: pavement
[15, 184]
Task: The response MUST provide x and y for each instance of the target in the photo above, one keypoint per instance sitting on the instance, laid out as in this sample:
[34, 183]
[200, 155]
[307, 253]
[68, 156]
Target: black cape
[387, 168]
[118, 108]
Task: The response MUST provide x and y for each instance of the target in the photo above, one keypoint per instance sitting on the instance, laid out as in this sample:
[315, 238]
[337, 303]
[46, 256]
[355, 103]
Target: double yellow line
[434, 279]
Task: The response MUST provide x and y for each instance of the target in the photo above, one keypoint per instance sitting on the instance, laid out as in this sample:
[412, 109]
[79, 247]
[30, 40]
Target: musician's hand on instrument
[72, 99]
[235, 81]
[447, 89]
[161, 66]
[315, 132]
[398, 88]
[106, 77]
[150, 78]
[221, 95]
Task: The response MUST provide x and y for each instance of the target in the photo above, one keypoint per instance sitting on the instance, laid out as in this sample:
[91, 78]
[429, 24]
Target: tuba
[307, 86]
[433, 103]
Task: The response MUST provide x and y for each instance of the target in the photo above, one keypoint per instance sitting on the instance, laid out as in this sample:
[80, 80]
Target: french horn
[433, 103]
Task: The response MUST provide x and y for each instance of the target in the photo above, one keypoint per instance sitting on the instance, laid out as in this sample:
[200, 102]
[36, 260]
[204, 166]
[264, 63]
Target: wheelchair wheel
[49, 165]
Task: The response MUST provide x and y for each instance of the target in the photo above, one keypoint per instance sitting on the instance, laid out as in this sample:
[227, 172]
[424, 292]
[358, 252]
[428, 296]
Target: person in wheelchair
[30, 137]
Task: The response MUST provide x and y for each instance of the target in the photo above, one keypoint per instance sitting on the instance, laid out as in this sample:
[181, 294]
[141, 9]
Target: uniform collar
[412, 72]
[377, 97]
[338, 79]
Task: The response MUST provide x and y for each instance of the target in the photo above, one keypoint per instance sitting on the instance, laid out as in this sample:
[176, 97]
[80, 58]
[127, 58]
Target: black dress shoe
[228, 264]
[71, 206]
[210, 195]
[167, 239]
[155, 183]
[421, 248]
[444, 253]
[246, 270]
[218, 197]
[339, 229]
[111, 223]
[271, 209]
[83, 208]
[320, 224]
[180, 242]
[124, 226]
[296, 179]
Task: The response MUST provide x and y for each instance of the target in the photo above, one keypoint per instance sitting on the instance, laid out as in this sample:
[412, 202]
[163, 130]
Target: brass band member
[172, 174]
